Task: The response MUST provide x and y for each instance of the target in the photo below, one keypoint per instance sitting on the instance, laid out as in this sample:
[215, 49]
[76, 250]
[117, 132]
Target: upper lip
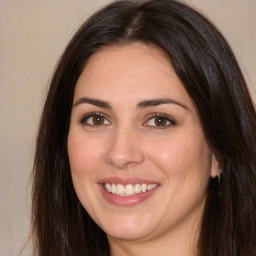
[125, 181]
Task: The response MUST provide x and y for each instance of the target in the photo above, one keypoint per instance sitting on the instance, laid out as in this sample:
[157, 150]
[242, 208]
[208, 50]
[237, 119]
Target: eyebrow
[156, 102]
[96, 102]
[142, 104]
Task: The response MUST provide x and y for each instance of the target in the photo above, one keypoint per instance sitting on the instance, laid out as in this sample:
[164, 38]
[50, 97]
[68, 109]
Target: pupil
[160, 121]
[98, 120]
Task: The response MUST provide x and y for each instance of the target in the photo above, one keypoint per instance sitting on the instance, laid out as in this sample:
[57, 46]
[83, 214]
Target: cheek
[78, 159]
[182, 156]
[83, 158]
[83, 154]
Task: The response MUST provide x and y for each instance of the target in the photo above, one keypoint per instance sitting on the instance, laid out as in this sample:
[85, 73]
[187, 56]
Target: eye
[94, 119]
[160, 121]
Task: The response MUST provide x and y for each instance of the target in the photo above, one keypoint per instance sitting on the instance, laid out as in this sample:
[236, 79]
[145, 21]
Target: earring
[219, 181]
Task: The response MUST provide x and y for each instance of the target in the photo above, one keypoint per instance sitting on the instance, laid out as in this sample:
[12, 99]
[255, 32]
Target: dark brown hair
[209, 72]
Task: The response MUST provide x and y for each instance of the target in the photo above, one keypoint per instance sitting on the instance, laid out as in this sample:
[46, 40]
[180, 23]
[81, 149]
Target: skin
[130, 143]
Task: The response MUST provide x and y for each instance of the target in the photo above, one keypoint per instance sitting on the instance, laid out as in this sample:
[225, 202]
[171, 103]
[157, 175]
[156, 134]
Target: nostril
[122, 158]
[123, 149]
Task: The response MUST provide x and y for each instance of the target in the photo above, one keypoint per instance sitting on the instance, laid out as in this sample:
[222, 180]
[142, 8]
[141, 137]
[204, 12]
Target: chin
[128, 235]
[128, 230]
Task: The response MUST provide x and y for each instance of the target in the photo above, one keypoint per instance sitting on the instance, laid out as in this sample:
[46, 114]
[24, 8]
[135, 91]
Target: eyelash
[94, 114]
[164, 117]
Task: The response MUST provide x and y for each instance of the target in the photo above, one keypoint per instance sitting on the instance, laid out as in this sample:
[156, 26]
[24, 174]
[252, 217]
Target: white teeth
[128, 190]
[151, 186]
[119, 189]
[144, 188]
[137, 188]
[108, 187]
[113, 188]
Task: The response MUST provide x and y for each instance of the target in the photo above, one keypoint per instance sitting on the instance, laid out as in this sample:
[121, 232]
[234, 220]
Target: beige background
[33, 34]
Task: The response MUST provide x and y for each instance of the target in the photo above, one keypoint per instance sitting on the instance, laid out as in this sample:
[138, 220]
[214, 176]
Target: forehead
[136, 70]
[136, 58]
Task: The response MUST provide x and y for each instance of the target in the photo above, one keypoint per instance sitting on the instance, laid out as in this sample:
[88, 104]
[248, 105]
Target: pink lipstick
[127, 191]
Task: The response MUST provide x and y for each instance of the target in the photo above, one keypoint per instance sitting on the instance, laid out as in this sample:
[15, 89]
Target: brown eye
[98, 120]
[94, 120]
[160, 121]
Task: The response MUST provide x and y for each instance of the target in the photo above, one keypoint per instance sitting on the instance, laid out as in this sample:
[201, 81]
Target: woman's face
[139, 160]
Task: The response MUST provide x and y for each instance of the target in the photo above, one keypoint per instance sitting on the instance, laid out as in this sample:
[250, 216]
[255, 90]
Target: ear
[215, 168]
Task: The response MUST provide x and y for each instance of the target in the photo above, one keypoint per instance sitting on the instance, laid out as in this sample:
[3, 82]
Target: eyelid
[168, 118]
[160, 115]
[85, 117]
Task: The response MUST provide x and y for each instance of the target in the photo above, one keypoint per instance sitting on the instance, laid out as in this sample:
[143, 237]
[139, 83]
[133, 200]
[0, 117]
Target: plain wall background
[33, 34]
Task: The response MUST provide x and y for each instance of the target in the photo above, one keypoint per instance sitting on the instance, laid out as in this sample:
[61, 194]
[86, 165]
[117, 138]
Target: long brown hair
[209, 72]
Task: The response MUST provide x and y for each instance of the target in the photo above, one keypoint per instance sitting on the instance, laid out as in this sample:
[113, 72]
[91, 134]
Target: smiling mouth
[129, 189]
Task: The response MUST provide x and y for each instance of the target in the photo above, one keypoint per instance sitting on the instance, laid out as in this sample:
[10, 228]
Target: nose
[125, 148]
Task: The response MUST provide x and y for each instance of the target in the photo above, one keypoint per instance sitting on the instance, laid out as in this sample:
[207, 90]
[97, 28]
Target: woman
[146, 141]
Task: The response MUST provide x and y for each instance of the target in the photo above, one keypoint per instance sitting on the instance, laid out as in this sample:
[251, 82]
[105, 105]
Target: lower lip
[126, 200]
